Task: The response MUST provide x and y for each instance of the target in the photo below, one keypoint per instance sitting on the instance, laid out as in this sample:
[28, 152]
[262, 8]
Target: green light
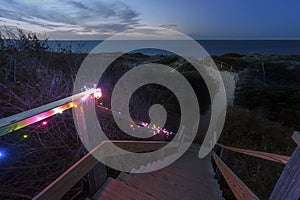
[101, 103]
[25, 136]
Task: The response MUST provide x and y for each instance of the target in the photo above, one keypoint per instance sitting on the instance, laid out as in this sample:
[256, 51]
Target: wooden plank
[186, 178]
[116, 190]
[296, 137]
[21, 120]
[267, 156]
[237, 186]
[161, 189]
[68, 179]
[288, 184]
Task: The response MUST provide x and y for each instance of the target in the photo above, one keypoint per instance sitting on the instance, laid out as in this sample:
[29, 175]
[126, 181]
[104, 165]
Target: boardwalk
[188, 178]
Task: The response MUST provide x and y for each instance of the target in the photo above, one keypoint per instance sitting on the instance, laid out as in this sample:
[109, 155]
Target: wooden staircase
[188, 178]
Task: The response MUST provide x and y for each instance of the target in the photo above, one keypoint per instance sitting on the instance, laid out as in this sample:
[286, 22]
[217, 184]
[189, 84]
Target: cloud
[88, 17]
[171, 26]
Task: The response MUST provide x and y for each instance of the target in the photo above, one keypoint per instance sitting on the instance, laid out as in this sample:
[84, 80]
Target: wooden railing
[23, 119]
[58, 188]
[287, 186]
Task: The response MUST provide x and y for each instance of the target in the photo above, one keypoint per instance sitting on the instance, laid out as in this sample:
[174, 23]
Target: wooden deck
[188, 178]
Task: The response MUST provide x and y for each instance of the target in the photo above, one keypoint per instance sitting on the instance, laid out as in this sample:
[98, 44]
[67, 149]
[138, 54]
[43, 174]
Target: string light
[44, 123]
[98, 93]
[25, 136]
[1, 154]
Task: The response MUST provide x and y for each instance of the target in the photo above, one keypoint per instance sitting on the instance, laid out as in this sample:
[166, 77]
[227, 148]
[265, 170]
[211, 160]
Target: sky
[200, 19]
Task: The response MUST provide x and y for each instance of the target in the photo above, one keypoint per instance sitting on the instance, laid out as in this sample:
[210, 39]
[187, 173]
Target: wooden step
[173, 188]
[188, 178]
[116, 190]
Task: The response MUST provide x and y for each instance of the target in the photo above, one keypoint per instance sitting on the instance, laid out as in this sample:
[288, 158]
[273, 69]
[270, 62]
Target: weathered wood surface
[237, 186]
[288, 184]
[58, 188]
[187, 178]
[20, 120]
[124, 192]
[264, 155]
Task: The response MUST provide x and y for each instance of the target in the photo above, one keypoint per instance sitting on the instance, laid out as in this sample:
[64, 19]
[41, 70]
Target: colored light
[25, 136]
[1, 154]
[44, 123]
[119, 113]
[144, 124]
[58, 110]
[100, 103]
[72, 104]
[98, 93]
[131, 125]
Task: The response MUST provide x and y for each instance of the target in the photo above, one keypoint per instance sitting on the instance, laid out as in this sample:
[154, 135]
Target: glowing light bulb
[58, 110]
[44, 123]
[98, 93]
[131, 126]
[25, 136]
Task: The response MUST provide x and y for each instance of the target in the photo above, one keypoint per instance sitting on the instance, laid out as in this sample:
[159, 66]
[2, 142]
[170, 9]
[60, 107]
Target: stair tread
[187, 178]
[116, 190]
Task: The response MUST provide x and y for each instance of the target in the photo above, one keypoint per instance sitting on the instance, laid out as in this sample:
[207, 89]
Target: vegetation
[31, 76]
[263, 118]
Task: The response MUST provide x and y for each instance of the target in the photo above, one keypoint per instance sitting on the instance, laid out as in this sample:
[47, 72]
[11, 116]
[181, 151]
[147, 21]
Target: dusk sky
[200, 19]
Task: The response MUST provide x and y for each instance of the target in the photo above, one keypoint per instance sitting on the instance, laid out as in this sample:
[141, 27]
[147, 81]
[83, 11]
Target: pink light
[144, 124]
[44, 123]
[98, 93]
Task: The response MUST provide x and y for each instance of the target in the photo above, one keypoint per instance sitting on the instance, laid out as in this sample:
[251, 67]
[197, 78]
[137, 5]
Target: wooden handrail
[26, 118]
[237, 186]
[59, 187]
[264, 155]
[287, 186]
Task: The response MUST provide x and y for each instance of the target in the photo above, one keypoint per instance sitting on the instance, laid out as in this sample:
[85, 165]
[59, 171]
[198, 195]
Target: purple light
[44, 123]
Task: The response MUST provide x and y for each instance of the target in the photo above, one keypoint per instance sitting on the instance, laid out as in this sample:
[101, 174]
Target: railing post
[288, 184]
[222, 156]
[97, 176]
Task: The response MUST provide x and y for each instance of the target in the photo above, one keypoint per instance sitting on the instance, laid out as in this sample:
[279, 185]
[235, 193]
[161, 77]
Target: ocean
[213, 47]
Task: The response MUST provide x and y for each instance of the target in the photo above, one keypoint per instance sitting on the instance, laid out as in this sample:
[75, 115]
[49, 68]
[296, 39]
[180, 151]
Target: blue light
[1, 155]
